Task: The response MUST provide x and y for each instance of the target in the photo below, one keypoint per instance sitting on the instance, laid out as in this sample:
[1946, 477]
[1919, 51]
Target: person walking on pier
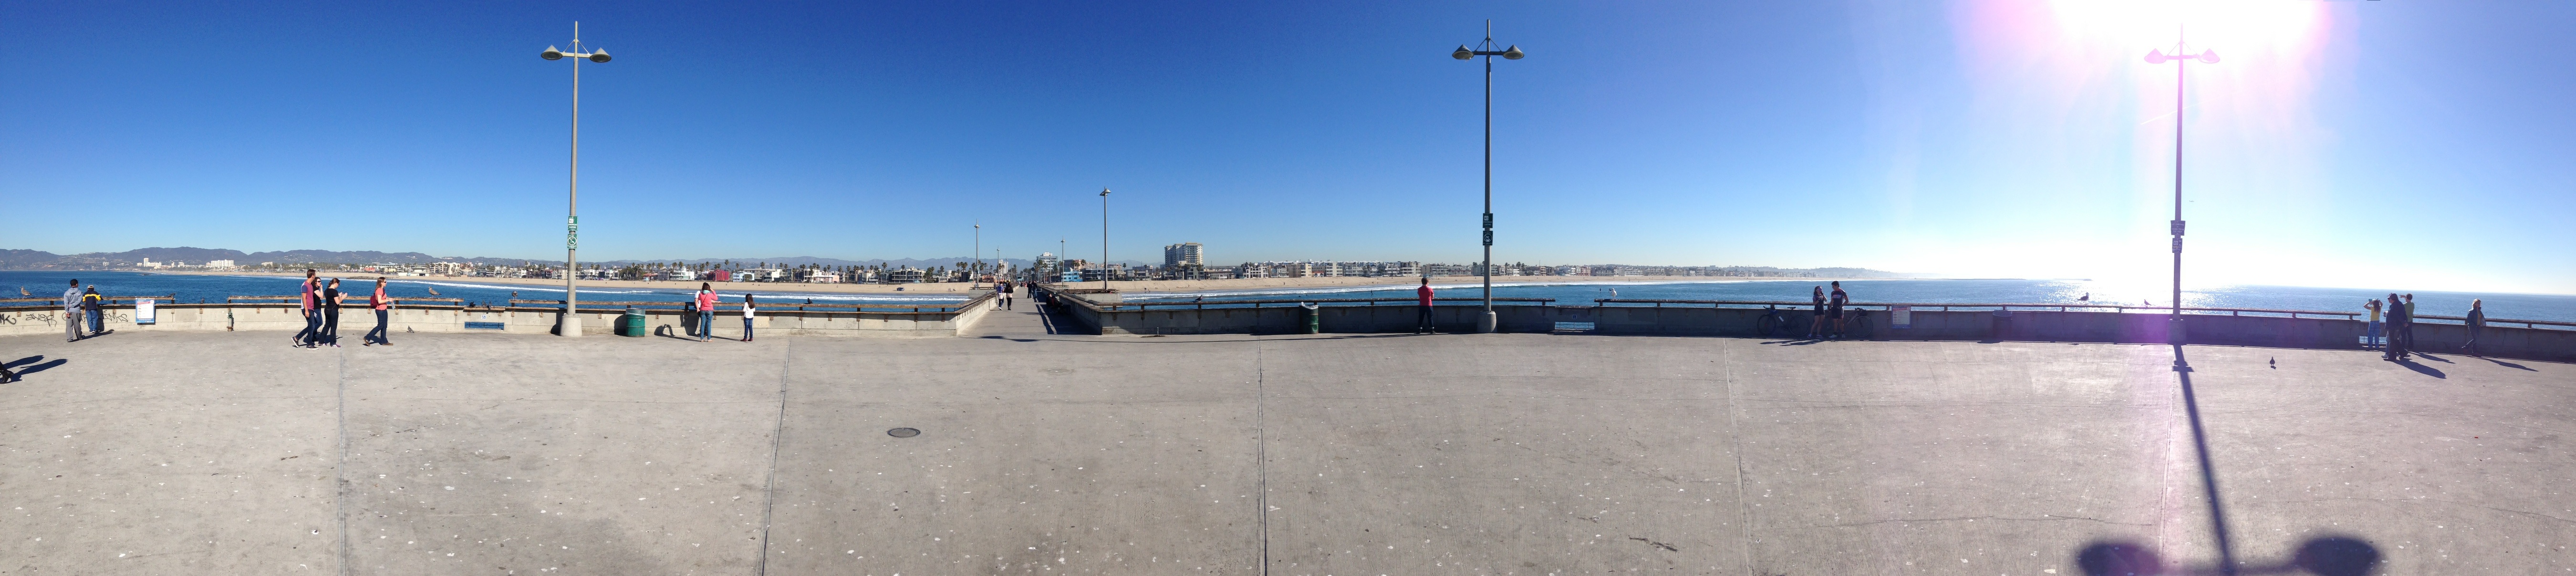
[749, 310]
[72, 312]
[706, 311]
[312, 316]
[2477, 321]
[1816, 320]
[2370, 337]
[1834, 308]
[1422, 316]
[381, 304]
[331, 300]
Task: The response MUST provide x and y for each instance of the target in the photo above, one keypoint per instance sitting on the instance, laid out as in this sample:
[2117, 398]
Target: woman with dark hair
[1817, 327]
[706, 311]
[331, 300]
[748, 310]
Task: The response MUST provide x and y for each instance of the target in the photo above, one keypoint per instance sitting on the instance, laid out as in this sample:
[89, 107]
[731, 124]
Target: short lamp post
[1485, 324]
[571, 325]
[2181, 56]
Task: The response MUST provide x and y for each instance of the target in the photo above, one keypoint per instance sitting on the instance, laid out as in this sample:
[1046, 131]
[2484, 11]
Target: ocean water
[191, 288]
[1566, 291]
[2550, 307]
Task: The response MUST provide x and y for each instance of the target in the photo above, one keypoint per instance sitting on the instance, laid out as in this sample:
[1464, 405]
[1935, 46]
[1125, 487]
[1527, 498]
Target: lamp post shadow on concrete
[1485, 323]
[571, 324]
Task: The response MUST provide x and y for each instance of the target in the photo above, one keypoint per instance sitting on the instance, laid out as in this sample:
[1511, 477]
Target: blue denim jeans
[2373, 335]
[97, 321]
[706, 324]
[746, 328]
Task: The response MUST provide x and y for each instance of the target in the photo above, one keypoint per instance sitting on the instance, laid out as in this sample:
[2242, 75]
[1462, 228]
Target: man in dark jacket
[90, 301]
[2477, 320]
[2397, 320]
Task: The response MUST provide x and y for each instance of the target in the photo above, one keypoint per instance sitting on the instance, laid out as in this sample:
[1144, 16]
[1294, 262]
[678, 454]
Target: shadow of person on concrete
[2323, 556]
[2428, 356]
[23, 372]
[2422, 369]
[23, 361]
[2118, 559]
[2507, 364]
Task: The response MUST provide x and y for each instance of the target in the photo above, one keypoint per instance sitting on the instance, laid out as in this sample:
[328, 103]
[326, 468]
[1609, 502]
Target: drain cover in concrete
[903, 432]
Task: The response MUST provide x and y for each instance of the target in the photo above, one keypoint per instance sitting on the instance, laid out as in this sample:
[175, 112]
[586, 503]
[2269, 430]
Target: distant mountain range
[39, 260]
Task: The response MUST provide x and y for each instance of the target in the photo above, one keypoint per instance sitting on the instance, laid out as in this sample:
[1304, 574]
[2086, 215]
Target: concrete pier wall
[356, 321]
[1979, 325]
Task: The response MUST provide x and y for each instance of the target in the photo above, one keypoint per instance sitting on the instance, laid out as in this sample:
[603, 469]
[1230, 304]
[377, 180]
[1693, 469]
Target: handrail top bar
[101, 296]
[1177, 302]
[1980, 305]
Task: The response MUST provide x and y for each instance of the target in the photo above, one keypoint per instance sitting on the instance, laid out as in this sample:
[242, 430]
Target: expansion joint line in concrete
[769, 489]
[1261, 453]
[1735, 435]
[340, 470]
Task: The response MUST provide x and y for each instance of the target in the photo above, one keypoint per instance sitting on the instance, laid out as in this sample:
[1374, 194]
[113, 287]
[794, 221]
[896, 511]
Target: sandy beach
[1122, 286]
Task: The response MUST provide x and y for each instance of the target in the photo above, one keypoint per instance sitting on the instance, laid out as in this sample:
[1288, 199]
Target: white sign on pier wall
[143, 311]
[1900, 317]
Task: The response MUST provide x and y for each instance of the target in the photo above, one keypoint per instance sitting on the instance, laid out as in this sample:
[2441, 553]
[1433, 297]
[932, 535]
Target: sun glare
[2247, 24]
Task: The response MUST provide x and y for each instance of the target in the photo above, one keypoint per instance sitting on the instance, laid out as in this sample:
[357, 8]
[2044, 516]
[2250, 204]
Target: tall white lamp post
[571, 325]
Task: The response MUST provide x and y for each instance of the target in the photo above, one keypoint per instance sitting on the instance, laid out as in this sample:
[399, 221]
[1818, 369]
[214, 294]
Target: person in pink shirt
[382, 305]
[312, 334]
[1422, 297]
[706, 311]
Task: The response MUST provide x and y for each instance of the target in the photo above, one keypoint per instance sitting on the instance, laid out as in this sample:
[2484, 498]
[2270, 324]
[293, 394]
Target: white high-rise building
[1184, 254]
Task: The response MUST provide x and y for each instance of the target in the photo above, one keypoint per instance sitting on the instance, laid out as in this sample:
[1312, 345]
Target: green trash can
[633, 324]
[1314, 318]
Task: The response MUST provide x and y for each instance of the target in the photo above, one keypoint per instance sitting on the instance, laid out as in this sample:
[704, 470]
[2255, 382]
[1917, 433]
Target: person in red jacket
[1422, 296]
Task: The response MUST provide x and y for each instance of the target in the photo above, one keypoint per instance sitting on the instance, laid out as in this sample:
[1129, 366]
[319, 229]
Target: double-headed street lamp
[1104, 238]
[2181, 56]
[571, 325]
[1486, 323]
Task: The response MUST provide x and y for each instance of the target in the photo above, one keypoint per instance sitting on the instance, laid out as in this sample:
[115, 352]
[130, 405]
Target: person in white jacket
[748, 311]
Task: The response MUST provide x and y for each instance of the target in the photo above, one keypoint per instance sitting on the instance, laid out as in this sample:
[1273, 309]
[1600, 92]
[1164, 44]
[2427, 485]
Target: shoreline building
[1185, 261]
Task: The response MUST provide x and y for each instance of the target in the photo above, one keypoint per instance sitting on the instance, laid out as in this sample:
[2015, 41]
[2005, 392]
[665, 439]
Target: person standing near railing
[2396, 348]
[1834, 308]
[1816, 324]
[72, 312]
[92, 302]
[1422, 299]
[2410, 323]
[2371, 336]
[2477, 321]
[381, 304]
[706, 311]
[749, 310]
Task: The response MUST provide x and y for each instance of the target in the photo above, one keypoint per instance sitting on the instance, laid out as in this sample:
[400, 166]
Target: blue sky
[2397, 143]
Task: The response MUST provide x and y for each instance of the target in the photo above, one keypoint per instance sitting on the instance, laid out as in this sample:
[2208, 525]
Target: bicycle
[1771, 321]
[1856, 324]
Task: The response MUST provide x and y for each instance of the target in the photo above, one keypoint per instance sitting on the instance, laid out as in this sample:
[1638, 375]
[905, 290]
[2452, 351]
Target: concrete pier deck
[1039, 453]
